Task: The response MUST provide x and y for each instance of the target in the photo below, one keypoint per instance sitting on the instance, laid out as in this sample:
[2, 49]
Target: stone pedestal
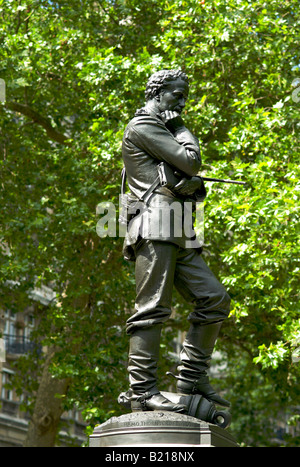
[159, 429]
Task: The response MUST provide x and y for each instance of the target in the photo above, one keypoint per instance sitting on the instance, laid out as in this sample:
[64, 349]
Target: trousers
[160, 266]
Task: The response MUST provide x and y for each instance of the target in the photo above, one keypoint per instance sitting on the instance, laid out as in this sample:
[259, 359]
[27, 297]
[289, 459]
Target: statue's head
[161, 80]
[169, 90]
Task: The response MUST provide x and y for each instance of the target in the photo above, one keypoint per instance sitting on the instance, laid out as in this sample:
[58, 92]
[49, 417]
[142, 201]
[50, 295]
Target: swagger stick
[208, 179]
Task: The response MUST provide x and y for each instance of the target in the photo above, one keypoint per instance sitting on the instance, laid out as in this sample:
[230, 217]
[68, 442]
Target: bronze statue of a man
[156, 135]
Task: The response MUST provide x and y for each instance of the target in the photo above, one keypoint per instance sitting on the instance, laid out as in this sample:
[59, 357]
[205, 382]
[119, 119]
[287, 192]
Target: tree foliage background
[75, 72]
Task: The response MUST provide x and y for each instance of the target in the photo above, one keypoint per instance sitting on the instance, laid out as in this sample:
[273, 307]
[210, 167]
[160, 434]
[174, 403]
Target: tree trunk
[43, 426]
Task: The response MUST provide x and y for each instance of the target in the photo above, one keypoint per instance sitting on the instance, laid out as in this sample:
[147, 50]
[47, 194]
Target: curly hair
[158, 81]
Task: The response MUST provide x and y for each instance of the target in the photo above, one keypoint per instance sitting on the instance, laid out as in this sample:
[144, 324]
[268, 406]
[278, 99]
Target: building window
[9, 400]
[6, 394]
[17, 332]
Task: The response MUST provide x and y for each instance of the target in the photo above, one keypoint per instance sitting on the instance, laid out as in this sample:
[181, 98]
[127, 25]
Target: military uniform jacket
[146, 143]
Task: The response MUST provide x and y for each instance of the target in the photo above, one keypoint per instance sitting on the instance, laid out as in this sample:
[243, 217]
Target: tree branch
[40, 120]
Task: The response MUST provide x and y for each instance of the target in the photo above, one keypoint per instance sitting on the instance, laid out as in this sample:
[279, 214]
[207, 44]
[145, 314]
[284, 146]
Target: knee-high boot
[142, 367]
[194, 362]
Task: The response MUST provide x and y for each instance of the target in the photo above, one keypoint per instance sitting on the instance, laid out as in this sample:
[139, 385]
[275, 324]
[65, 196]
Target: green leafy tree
[74, 74]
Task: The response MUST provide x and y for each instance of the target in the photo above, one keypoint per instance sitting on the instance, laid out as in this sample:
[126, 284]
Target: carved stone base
[150, 429]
